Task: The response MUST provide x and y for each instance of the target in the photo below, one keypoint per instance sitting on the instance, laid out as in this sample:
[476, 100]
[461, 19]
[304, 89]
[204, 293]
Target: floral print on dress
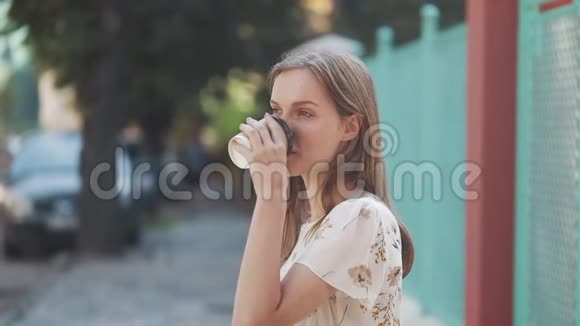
[394, 276]
[397, 244]
[361, 276]
[378, 247]
[384, 308]
[323, 227]
[332, 298]
[392, 231]
[365, 213]
[357, 251]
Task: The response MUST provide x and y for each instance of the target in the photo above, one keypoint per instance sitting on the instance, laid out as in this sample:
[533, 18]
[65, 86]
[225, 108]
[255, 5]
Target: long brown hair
[349, 83]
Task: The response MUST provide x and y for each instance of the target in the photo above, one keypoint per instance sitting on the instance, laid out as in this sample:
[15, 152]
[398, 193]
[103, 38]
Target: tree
[139, 61]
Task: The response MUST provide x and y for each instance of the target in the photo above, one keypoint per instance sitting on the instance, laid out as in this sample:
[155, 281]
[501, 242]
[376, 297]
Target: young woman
[324, 247]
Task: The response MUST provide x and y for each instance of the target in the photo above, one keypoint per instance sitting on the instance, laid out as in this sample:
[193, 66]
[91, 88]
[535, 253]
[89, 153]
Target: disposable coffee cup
[237, 157]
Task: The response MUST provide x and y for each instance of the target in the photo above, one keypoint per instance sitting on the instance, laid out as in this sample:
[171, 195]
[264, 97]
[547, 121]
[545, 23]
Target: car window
[47, 153]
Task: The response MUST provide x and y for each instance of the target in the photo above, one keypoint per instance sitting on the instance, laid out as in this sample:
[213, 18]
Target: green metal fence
[547, 275]
[421, 94]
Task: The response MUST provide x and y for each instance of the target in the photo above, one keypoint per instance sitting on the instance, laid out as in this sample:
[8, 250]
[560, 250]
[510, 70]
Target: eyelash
[308, 114]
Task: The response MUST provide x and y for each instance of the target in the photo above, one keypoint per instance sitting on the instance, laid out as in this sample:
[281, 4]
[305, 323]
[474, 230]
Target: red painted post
[491, 119]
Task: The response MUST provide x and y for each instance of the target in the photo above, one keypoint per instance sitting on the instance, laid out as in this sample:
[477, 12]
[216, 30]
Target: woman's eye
[304, 113]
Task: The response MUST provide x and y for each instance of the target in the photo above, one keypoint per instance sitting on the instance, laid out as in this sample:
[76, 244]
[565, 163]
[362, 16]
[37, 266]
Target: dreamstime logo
[134, 182]
[139, 181]
[462, 175]
[381, 139]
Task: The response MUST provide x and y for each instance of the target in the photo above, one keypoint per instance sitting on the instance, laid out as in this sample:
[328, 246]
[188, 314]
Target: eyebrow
[295, 103]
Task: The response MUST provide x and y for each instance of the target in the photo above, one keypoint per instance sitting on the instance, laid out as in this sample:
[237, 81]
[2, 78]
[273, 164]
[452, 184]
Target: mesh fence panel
[553, 173]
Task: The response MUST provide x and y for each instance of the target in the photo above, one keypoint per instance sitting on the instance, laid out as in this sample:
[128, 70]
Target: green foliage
[167, 49]
[227, 101]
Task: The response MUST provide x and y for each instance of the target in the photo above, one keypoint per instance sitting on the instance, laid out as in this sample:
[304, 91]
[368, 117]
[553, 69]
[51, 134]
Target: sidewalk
[184, 275]
[21, 281]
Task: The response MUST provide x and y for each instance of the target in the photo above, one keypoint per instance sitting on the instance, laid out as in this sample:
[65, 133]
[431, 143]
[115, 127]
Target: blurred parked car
[39, 202]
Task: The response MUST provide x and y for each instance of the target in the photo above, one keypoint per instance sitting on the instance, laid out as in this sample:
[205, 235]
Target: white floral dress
[357, 250]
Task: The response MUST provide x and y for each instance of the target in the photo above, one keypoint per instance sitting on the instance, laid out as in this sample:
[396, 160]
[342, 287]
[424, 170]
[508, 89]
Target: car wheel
[27, 242]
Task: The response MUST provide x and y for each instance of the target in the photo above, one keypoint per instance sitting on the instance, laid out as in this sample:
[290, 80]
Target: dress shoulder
[352, 249]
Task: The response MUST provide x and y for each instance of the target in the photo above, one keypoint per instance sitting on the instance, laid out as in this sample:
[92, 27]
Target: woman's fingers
[262, 130]
[252, 134]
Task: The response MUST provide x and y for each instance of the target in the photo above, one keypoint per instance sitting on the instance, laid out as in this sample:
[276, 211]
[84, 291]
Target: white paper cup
[236, 157]
[239, 160]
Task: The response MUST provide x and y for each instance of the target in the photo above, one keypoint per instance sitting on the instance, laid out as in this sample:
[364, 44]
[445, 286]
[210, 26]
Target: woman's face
[305, 105]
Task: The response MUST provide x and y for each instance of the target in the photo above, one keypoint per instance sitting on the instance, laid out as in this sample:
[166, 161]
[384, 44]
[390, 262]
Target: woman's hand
[267, 158]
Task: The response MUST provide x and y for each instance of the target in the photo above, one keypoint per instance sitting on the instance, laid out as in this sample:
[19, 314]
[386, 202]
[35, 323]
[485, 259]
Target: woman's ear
[352, 125]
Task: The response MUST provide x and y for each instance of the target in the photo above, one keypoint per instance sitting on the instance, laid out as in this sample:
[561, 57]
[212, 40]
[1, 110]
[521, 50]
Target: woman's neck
[315, 209]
